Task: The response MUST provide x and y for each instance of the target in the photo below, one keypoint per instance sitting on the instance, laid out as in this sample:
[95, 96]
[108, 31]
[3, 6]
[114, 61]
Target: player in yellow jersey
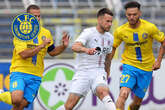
[27, 65]
[138, 59]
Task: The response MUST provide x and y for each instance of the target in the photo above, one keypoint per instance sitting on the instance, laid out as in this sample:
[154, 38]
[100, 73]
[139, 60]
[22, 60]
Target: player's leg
[127, 83]
[18, 101]
[143, 80]
[17, 86]
[79, 88]
[72, 101]
[135, 105]
[123, 95]
[103, 93]
[101, 89]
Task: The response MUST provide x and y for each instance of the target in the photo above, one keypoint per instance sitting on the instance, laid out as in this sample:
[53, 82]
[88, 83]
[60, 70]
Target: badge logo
[55, 85]
[25, 27]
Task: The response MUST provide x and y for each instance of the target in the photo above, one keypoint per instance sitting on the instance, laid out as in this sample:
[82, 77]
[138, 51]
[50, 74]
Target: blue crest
[25, 27]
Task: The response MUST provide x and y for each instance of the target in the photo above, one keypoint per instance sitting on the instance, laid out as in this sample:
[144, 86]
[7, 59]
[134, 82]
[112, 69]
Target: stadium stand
[72, 15]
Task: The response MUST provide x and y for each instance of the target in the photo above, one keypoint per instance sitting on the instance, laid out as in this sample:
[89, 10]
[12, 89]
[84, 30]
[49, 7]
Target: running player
[138, 59]
[93, 67]
[27, 65]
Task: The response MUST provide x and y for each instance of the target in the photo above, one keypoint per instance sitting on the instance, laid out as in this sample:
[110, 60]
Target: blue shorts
[27, 83]
[136, 79]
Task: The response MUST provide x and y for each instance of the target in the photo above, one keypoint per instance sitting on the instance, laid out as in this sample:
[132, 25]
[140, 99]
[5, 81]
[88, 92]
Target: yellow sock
[129, 108]
[6, 97]
[118, 109]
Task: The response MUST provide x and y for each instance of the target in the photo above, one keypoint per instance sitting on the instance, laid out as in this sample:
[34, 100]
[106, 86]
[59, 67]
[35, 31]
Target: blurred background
[73, 16]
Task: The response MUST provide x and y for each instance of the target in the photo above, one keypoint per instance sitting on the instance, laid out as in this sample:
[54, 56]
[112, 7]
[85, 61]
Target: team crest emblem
[145, 35]
[25, 27]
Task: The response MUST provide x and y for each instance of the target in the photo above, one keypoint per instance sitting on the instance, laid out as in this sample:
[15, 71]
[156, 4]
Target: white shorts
[88, 79]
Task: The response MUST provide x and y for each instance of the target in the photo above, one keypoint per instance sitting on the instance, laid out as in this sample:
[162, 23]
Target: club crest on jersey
[145, 35]
[25, 27]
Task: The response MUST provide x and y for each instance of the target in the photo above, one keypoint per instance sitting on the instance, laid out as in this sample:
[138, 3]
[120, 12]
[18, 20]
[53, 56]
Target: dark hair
[103, 11]
[132, 4]
[32, 7]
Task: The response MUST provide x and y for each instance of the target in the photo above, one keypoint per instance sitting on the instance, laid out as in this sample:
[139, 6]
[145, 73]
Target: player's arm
[157, 63]
[79, 48]
[27, 53]
[53, 51]
[108, 60]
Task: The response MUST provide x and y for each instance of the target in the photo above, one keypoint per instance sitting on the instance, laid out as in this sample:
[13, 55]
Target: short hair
[132, 4]
[103, 11]
[32, 7]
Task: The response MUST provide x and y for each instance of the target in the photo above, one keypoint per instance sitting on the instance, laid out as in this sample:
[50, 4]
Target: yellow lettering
[1, 81]
[25, 17]
[32, 18]
[19, 20]
[7, 81]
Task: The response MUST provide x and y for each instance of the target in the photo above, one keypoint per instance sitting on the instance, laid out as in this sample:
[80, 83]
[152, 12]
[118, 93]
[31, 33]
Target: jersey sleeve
[19, 45]
[157, 34]
[117, 40]
[83, 37]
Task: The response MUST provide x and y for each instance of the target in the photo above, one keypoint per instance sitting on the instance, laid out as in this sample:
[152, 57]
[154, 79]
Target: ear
[140, 13]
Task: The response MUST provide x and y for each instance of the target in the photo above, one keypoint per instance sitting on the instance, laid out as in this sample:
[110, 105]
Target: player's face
[35, 12]
[105, 22]
[133, 15]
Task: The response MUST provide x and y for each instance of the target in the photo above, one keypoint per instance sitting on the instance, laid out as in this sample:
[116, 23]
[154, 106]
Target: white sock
[108, 103]
[61, 108]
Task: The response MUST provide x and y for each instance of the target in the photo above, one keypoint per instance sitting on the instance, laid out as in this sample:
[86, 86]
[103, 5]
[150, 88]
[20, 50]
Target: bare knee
[69, 106]
[17, 97]
[101, 92]
[135, 105]
[124, 93]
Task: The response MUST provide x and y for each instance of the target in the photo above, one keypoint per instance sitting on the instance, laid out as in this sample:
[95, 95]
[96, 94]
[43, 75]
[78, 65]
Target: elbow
[23, 56]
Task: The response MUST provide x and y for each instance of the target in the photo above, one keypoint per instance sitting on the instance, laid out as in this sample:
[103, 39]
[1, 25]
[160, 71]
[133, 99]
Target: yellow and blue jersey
[138, 44]
[33, 65]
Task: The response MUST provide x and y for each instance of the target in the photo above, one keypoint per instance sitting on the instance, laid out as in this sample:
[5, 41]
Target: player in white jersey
[94, 54]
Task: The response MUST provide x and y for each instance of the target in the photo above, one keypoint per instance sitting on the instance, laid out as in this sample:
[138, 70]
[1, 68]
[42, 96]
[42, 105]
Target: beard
[105, 29]
[133, 22]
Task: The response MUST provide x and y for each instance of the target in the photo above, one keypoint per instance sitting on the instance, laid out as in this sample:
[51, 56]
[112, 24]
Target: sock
[108, 103]
[129, 108]
[6, 97]
[118, 109]
[61, 108]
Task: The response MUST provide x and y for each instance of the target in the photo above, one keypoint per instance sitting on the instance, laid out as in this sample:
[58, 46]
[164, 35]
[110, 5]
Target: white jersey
[91, 38]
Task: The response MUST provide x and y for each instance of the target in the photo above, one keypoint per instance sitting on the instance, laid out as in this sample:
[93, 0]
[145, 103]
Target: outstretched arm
[59, 49]
[108, 60]
[157, 63]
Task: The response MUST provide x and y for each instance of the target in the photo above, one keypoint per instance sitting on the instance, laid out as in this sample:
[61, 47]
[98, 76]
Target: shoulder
[90, 30]
[147, 23]
[42, 29]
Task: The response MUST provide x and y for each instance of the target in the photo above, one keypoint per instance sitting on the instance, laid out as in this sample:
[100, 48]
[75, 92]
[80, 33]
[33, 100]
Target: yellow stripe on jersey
[26, 65]
[138, 44]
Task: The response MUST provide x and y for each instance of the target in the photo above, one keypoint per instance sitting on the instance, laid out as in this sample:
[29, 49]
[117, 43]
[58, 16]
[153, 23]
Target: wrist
[42, 46]
[83, 49]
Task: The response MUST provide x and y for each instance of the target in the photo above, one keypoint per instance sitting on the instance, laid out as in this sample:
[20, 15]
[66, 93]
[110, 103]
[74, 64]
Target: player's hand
[156, 65]
[91, 51]
[46, 41]
[65, 39]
